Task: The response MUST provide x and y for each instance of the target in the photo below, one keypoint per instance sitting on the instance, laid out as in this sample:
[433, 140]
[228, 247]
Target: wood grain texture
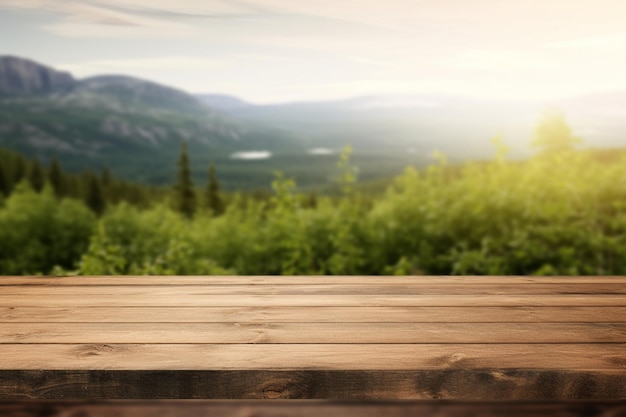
[146, 299]
[305, 408]
[318, 289]
[470, 338]
[452, 384]
[313, 333]
[476, 314]
[607, 356]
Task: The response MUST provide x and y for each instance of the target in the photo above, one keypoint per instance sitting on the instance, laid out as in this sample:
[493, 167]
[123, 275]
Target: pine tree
[73, 186]
[19, 169]
[36, 176]
[105, 177]
[4, 183]
[213, 199]
[184, 199]
[94, 197]
[56, 176]
[347, 172]
[311, 200]
[106, 182]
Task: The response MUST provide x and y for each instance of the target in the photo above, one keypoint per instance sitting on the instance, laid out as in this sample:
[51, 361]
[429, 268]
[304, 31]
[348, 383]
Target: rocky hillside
[132, 125]
[22, 76]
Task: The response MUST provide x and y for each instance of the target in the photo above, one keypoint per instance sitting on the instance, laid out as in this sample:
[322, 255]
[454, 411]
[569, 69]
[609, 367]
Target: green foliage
[36, 176]
[80, 186]
[156, 241]
[558, 213]
[554, 135]
[347, 172]
[5, 186]
[94, 197]
[56, 177]
[19, 169]
[13, 170]
[39, 233]
[213, 199]
[184, 194]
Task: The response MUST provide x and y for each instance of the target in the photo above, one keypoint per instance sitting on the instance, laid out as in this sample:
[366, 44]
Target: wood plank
[314, 356]
[457, 384]
[339, 337]
[332, 333]
[321, 289]
[299, 280]
[306, 408]
[571, 314]
[226, 300]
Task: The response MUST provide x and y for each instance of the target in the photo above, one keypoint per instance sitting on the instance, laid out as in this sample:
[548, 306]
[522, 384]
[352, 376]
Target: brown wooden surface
[318, 289]
[515, 314]
[463, 338]
[345, 356]
[313, 333]
[300, 280]
[147, 299]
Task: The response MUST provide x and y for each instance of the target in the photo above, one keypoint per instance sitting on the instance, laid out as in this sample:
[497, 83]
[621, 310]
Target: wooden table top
[461, 338]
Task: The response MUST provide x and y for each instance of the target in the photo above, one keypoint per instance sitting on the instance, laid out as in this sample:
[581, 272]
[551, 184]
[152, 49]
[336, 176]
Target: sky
[267, 51]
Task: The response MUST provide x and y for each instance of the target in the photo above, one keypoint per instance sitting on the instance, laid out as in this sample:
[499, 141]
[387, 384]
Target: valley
[134, 128]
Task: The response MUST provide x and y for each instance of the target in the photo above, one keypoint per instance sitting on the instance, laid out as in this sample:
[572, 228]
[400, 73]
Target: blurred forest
[561, 212]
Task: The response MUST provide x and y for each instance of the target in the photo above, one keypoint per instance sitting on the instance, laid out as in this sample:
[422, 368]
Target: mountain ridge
[131, 125]
[135, 127]
[25, 76]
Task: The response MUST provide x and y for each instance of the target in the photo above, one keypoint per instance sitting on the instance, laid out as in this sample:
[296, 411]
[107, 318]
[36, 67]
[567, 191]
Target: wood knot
[272, 393]
[457, 357]
[94, 350]
[452, 360]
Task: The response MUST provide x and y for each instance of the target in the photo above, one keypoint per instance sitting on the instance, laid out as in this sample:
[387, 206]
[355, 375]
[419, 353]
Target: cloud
[499, 60]
[293, 48]
[76, 11]
[173, 63]
[128, 18]
[604, 41]
[21, 4]
[393, 15]
[133, 9]
[185, 10]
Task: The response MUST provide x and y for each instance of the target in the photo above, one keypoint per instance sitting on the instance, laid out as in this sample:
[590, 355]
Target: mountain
[223, 102]
[22, 76]
[457, 126]
[118, 91]
[397, 125]
[135, 127]
[131, 125]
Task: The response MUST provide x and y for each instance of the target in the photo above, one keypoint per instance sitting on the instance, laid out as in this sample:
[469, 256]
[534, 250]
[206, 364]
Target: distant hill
[118, 91]
[135, 127]
[460, 127]
[23, 76]
[131, 125]
[223, 102]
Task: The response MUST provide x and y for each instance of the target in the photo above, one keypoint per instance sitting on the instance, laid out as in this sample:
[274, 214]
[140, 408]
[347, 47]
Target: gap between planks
[300, 280]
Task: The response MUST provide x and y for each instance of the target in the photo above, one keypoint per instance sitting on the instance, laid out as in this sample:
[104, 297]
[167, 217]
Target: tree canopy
[553, 134]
